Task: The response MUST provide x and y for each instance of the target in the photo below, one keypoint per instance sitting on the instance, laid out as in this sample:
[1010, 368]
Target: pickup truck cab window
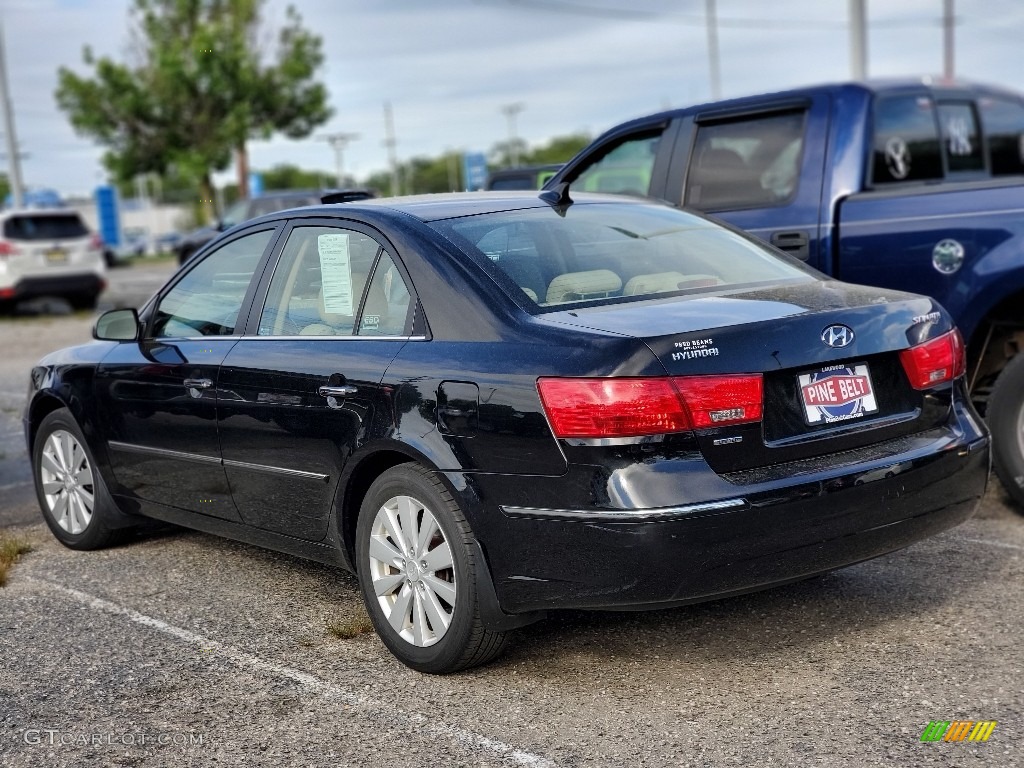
[961, 137]
[625, 170]
[906, 142]
[746, 163]
[1003, 122]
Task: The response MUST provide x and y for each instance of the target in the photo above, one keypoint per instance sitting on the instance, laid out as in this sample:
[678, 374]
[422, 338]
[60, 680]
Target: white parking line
[996, 544]
[434, 728]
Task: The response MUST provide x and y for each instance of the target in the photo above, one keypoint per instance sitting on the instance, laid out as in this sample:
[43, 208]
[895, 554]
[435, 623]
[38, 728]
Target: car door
[158, 396]
[760, 168]
[299, 392]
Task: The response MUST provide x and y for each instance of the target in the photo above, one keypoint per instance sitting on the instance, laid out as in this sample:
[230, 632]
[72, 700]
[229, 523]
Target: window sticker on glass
[336, 272]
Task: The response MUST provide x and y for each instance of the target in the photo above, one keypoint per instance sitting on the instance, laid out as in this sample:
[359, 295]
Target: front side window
[625, 170]
[320, 284]
[960, 137]
[613, 252]
[1003, 122]
[906, 143]
[749, 163]
[207, 300]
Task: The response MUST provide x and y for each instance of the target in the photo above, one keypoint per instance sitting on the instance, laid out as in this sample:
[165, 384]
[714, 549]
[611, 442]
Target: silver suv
[49, 252]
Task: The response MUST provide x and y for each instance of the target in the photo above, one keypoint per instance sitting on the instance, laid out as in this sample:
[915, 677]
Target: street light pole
[13, 159]
[858, 39]
[338, 142]
[511, 110]
[948, 20]
[714, 62]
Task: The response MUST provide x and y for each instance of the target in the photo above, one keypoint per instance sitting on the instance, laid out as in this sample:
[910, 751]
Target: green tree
[5, 187]
[200, 86]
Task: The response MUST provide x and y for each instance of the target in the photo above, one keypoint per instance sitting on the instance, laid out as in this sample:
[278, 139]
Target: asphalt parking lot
[184, 649]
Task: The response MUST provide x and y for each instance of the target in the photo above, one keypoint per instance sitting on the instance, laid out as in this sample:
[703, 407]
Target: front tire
[417, 573]
[72, 495]
[1005, 417]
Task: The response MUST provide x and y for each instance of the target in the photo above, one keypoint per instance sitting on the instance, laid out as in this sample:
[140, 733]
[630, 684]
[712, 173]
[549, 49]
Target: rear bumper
[79, 284]
[763, 534]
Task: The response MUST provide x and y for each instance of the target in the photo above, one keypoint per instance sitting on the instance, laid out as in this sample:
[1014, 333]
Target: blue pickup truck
[913, 185]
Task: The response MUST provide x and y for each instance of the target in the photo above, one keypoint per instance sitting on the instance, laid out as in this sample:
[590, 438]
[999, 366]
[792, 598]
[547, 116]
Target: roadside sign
[474, 170]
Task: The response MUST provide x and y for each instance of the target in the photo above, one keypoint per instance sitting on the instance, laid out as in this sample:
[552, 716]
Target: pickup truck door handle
[795, 243]
[342, 390]
[198, 383]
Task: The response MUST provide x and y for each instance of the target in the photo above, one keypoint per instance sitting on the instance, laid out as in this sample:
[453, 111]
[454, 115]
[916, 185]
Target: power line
[697, 20]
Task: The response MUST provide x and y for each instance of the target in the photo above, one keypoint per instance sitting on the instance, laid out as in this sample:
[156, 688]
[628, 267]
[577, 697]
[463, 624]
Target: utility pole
[390, 142]
[511, 110]
[948, 20]
[13, 159]
[858, 39]
[338, 142]
[714, 62]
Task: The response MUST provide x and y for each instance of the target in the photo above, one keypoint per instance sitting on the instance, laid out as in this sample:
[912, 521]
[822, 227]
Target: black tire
[1005, 417]
[84, 300]
[465, 642]
[106, 525]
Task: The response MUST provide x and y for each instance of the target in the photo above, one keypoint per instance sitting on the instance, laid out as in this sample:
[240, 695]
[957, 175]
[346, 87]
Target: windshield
[610, 252]
[44, 226]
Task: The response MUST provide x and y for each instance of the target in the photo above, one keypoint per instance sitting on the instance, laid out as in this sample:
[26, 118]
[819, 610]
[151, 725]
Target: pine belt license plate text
[837, 393]
[56, 256]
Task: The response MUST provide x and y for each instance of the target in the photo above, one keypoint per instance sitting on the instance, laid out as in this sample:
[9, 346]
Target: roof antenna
[557, 197]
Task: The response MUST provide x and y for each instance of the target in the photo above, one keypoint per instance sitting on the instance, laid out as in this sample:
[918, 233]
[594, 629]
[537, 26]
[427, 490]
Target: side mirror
[117, 325]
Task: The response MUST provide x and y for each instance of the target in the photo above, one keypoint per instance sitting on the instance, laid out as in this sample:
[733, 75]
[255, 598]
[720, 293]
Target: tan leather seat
[579, 286]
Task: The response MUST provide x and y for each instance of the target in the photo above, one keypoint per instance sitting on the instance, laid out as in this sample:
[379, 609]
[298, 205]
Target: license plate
[837, 393]
[56, 256]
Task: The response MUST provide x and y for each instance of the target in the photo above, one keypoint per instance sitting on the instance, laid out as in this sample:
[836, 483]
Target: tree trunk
[242, 162]
[206, 198]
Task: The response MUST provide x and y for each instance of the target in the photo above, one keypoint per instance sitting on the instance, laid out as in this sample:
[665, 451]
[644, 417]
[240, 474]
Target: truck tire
[1005, 417]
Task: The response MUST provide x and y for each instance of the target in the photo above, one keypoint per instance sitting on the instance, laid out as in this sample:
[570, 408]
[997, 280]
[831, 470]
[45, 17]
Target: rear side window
[961, 137]
[1003, 121]
[44, 227]
[625, 170]
[752, 163]
[906, 144]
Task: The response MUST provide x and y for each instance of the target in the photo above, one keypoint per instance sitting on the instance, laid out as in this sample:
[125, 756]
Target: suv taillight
[95, 243]
[636, 407]
[934, 362]
[7, 249]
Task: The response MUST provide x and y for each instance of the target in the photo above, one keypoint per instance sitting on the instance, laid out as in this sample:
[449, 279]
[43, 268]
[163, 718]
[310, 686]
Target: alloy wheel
[67, 482]
[412, 571]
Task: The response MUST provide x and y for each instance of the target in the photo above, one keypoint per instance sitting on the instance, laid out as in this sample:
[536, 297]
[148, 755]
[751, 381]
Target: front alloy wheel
[67, 482]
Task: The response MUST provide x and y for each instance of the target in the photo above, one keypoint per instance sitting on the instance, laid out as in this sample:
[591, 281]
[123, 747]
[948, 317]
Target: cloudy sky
[448, 66]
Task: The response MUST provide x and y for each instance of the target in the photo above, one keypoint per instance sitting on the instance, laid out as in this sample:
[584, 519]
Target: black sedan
[490, 406]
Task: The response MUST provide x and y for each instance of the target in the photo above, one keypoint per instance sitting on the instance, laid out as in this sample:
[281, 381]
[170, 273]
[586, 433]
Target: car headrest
[577, 286]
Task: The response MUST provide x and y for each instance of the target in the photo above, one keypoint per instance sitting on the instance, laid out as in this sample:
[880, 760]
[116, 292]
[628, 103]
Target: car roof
[451, 205]
[12, 212]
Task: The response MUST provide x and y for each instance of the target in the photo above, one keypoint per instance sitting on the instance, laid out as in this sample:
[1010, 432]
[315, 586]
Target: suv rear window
[607, 252]
[44, 227]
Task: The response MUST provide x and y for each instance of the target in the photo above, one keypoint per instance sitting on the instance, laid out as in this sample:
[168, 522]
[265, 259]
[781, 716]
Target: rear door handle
[198, 383]
[339, 390]
[796, 243]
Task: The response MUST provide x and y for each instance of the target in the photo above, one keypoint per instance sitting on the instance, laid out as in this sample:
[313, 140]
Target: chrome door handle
[198, 383]
[342, 390]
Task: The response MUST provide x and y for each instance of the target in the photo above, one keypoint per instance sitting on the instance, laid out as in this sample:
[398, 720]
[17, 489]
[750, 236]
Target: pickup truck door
[759, 168]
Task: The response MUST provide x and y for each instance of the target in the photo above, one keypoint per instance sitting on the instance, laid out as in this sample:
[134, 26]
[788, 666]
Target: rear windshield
[613, 252]
[44, 227]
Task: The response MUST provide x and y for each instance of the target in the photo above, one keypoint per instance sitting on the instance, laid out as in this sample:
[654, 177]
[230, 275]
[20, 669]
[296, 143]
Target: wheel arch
[996, 337]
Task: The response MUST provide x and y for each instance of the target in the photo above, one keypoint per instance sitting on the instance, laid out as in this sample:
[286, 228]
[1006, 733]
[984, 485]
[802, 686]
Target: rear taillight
[95, 243]
[717, 401]
[936, 361]
[625, 407]
[7, 249]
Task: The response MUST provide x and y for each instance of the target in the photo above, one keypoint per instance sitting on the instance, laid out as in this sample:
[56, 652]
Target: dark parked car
[489, 407]
[522, 178]
[268, 202]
